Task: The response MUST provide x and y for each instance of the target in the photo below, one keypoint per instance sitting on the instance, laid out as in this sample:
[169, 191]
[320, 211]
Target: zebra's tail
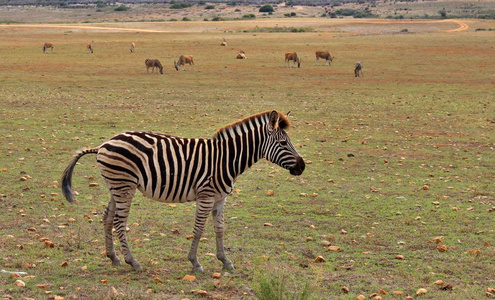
[67, 175]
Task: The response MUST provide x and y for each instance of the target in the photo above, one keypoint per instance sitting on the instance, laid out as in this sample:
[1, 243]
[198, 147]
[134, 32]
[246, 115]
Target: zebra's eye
[283, 143]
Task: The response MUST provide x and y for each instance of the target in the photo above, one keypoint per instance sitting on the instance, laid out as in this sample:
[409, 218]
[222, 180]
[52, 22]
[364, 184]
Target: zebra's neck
[242, 144]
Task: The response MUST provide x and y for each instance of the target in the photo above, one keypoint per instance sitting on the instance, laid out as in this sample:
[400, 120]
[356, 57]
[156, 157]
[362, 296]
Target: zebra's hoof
[137, 266]
[115, 261]
[198, 269]
[228, 266]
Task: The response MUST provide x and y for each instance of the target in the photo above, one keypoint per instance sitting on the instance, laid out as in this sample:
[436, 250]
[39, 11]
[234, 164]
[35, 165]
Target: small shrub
[210, 7]
[186, 19]
[277, 289]
[443, 13]
[266, 8]
[122, 8]
[249, 16]
[181, 5]
[216, 19]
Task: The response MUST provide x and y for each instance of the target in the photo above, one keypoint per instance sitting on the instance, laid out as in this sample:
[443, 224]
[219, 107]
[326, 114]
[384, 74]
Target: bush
[348, 12]
[122, 8]
[266, 8]
[443, 13]
[218, 19]
[210, 7]
[186, 19]
[181, 5]
[250, 16]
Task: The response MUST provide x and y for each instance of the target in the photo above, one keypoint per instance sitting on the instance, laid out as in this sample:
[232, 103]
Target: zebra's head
[279, 149]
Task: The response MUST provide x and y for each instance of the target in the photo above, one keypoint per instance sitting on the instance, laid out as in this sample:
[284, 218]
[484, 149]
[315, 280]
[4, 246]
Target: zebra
[153, 63]
[174, 169]
[358, 68]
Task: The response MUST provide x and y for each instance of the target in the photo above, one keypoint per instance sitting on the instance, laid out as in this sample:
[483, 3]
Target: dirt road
[200, 26]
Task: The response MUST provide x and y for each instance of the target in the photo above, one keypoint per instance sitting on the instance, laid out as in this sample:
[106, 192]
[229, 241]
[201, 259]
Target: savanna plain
[398, 188]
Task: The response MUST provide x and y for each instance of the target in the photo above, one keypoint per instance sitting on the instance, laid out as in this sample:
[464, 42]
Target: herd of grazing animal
[189, 59]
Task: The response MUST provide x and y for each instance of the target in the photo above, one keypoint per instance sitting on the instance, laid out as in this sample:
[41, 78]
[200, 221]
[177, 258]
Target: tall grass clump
[276, 288]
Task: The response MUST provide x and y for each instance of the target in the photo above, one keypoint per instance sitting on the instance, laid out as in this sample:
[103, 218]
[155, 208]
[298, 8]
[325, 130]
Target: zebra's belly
[169, 198]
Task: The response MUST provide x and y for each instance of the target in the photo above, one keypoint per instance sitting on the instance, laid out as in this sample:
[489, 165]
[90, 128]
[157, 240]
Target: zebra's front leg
[203, 208]
[108, 217]
[218, 224]
[123, 205]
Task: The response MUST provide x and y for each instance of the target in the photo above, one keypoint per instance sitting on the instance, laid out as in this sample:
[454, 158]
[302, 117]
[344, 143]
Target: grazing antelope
[133, 46]
[173, 169]
[183, 60]
[358, 68]
[224, 43]
[153, 63]
[325, 55]
[89, 47]
[292, 56]
[46, 46]
[241, 55]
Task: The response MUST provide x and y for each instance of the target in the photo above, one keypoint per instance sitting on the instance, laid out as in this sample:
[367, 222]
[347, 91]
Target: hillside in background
[49, 11]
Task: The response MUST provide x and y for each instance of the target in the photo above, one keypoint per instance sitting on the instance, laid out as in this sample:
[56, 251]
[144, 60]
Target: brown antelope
[46, 46]
[153, 63]
[358, 68]
[241, 55]
[224, 43]
[325, 55]
[292, 56]
[89, 47]
[133, 46]
[183, 60]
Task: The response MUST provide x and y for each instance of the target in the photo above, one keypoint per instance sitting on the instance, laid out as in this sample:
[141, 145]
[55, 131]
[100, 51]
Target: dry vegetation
[397, 198]
[134, 11]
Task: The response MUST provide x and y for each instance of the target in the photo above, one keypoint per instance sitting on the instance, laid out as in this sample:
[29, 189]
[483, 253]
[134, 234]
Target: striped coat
[173, 169]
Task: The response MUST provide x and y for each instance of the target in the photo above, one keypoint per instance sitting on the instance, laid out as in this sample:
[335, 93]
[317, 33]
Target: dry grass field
[399, 175]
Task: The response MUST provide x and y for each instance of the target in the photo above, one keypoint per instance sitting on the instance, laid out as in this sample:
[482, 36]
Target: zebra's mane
[263, 118]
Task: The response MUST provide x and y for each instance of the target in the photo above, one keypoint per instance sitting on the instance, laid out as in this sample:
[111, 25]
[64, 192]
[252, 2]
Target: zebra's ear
[274, 118]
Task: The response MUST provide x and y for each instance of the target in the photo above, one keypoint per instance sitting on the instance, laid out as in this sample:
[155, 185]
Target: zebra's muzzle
[298, 168]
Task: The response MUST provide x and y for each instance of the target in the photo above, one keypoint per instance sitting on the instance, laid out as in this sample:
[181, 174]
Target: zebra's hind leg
[123, 200]
[203, 208]
[108, 217]
[218, 224]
